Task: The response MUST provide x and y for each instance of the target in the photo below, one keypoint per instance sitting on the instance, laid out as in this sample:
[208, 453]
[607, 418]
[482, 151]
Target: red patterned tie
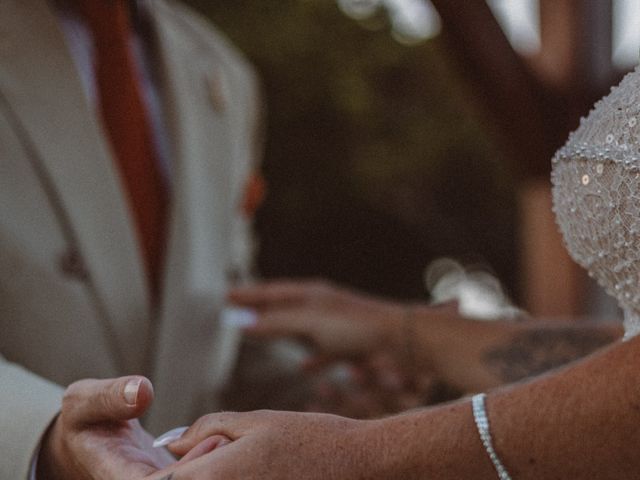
[127, 126]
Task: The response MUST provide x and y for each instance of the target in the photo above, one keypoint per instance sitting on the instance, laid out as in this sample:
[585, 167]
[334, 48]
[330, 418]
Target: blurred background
[401, 131]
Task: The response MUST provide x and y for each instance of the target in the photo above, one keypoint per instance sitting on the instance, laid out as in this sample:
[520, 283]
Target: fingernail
[131, 391]
[169, 437]
[239, 317]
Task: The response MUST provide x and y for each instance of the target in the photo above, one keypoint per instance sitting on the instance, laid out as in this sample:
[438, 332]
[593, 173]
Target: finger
[282, 322]
[325, 390]
[230, 425]
[219, 463]
[94, 401]
[315, 363]
[207, 445]
[169, 437]
[272, 293]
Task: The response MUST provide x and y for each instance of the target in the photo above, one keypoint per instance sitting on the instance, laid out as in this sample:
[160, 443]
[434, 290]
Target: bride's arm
[578, 423]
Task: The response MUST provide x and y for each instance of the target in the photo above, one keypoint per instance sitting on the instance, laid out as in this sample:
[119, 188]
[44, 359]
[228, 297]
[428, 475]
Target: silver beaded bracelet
[482, 422]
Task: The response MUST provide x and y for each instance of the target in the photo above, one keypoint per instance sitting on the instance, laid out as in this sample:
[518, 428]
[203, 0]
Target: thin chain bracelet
[482, 422]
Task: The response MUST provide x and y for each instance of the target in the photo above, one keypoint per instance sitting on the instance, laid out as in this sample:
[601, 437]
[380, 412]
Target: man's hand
[96, 436]
[339, 323]
[279, 446]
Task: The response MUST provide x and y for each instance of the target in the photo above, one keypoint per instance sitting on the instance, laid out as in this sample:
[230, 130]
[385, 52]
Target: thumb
[113, 400]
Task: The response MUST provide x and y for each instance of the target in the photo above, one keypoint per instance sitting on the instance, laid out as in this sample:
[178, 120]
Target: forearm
[29, 403]
[579, 423]
[476, 355]
[439, 443]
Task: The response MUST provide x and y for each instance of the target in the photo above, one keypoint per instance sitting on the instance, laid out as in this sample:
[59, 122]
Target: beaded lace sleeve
[596, 193]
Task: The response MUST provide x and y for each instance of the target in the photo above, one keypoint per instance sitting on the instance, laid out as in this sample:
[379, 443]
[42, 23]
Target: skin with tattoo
[533, 352]
[534, 424]
[468, 355]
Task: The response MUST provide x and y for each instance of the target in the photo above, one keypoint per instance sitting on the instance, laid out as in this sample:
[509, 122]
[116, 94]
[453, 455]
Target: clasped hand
[97, 437]
[97, 434]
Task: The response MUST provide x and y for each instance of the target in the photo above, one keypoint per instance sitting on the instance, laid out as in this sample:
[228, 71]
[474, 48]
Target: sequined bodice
[596, 192]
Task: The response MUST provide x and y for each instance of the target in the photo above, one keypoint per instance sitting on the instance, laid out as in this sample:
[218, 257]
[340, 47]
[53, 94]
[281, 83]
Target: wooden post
[575, 58]
[534, 105]
[553, 284]
[502, 84]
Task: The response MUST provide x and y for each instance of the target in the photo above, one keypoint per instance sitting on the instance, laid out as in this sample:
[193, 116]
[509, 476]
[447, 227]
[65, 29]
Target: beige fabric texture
[73, 303]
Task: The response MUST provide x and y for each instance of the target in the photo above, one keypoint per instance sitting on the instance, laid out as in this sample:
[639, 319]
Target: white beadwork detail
[482, 423]
[600, 219]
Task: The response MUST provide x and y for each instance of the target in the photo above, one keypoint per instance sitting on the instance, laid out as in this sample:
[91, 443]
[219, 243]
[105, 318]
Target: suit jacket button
[72, 265]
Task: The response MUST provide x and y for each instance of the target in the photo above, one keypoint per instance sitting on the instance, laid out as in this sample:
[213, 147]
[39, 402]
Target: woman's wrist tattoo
[533, 352]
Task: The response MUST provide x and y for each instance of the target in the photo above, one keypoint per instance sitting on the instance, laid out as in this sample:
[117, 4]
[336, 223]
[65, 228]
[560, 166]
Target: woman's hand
[337, 322]
[340, 324]
[264, 442]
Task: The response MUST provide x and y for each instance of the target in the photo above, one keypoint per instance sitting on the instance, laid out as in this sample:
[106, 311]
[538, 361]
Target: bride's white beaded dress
[596, 193]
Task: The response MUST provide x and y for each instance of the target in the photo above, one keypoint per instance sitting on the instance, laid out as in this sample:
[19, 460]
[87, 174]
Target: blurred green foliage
[376, 157]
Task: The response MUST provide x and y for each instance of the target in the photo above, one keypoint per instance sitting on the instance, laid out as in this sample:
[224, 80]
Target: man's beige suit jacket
[73, 302]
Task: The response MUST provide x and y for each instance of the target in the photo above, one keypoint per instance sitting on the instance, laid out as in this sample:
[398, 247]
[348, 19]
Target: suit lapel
[194, 353]
[42, 88]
